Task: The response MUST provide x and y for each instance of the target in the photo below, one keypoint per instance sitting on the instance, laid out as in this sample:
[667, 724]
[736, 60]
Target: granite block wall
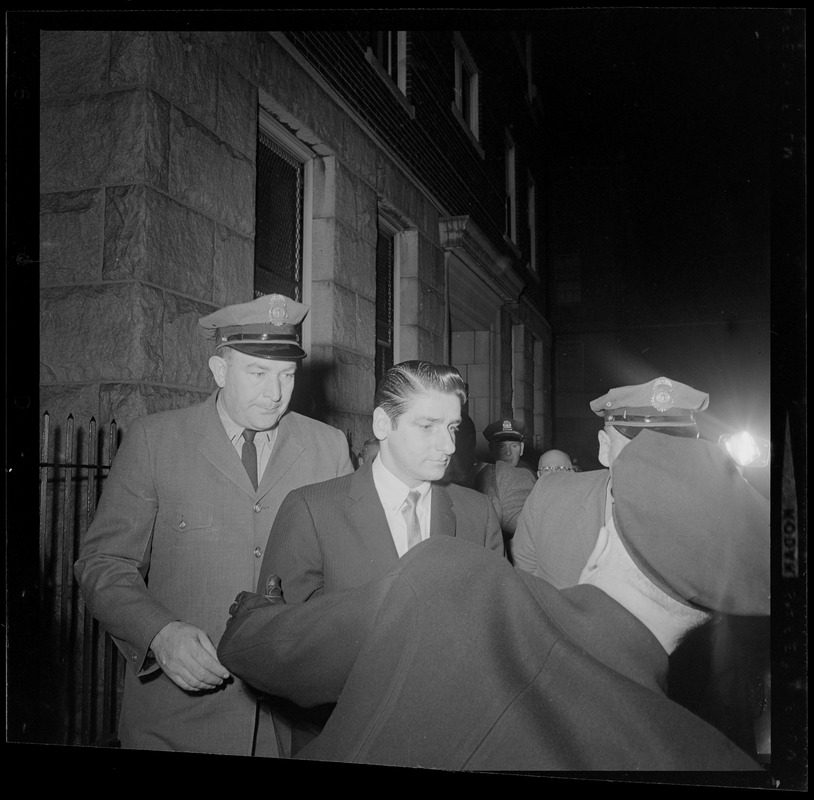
[147, 145]
[148, 148]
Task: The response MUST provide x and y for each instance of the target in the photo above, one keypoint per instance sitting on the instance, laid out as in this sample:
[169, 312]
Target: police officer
[505, 438]
[182, 524]
[505, 482]
[716, 668]
[558, 526]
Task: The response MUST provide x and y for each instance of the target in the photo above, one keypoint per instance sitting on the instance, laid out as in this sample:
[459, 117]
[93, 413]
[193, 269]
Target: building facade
[391, 180]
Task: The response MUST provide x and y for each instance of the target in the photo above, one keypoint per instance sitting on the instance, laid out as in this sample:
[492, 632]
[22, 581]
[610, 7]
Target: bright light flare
[746, 450]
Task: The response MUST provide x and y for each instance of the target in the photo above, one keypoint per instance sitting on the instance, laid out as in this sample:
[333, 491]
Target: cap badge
[507, 424]
[662, 397]
[278, 313]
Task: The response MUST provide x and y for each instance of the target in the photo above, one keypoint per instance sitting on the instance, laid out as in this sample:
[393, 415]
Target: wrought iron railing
[82, 670]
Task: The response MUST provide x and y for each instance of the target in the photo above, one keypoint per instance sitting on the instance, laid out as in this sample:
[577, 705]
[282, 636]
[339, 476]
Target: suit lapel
[442, 518]
[367, 518]
[288, 449]
[215, 447]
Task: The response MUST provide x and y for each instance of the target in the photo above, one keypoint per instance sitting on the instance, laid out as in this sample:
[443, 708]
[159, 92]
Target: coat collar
[369, 520]
[215, 446]
[595, 622]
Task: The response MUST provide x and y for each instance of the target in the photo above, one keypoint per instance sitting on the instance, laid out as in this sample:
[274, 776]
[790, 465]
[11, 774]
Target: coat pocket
[186, 525]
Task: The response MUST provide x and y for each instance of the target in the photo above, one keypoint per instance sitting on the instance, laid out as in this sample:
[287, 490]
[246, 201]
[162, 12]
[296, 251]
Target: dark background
[677, 112]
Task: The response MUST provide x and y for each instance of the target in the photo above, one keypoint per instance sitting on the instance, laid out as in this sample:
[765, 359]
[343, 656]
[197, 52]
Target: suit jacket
[334, 535]
[559, 524]
[178, 531]
[454, 660]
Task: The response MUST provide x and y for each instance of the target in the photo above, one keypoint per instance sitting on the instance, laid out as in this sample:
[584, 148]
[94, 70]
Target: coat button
[182, 524]
[258, 551]
[257, 509]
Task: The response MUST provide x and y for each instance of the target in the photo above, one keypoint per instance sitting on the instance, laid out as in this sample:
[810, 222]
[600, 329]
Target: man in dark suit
[454, 660]
[181, 525]
[345, 532]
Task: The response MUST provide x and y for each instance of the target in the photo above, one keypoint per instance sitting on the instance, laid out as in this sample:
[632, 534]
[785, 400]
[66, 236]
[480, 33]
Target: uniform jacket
[508, 488]
[178, 531]
[455, 660]
[559, 524]
[335, 535]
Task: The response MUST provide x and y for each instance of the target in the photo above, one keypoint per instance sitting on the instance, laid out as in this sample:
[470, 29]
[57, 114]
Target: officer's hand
[187, 656]
[249, 601]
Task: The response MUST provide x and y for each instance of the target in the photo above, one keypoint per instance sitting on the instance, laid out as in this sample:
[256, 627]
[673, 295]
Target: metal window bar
[384, 304]
[82, 705]
[279, 223]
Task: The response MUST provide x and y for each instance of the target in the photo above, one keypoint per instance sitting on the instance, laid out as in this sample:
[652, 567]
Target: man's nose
[446, 442]
[271, 387]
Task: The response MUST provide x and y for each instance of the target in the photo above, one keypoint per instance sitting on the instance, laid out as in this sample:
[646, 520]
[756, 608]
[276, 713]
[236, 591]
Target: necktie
[249, 455]
[411, 518]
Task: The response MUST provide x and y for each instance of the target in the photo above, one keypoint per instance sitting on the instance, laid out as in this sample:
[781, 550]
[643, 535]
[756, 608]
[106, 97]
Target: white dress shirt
[263, 440]
[393, 494]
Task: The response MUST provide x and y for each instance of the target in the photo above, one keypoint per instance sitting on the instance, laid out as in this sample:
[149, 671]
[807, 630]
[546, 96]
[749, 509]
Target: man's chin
[436, 473]
[265, 422]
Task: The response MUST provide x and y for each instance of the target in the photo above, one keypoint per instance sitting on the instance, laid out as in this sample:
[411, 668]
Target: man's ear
[381, 423]
[522, 446]
[218, 367]
[604, 448]
[595, 559]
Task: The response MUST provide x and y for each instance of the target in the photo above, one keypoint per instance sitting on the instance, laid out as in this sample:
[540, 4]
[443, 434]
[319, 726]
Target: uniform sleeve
[494, 534]
[514, 492]
[524, 553]
[114, 554]
[293, 552]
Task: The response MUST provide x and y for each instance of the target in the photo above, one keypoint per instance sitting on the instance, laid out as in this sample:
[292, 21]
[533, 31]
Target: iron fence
[82, 670]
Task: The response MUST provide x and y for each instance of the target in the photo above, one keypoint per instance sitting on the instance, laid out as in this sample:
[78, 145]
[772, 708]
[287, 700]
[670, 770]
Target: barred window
[511, 189]
[384, 302]
[466, 86]
[532, 222]
[279, 224]
[389, 48]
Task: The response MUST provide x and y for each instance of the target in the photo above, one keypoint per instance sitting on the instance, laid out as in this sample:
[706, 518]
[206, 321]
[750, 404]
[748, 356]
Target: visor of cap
[279, 351]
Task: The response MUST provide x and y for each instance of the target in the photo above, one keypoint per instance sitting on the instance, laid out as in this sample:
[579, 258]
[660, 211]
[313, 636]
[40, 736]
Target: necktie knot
[249, 434]
[413, 497]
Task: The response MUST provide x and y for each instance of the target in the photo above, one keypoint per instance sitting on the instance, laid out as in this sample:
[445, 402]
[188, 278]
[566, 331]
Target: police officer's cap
[505, 430]
[661, 403]
[692, 524]
[265, 327]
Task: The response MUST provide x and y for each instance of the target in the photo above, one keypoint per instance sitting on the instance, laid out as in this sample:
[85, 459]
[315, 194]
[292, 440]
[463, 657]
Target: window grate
[384, 303]
[279, 233]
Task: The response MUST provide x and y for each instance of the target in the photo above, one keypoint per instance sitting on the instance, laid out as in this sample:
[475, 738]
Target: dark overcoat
[455, 660]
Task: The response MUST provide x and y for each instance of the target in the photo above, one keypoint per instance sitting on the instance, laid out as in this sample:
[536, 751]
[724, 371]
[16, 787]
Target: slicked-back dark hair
[404, 381]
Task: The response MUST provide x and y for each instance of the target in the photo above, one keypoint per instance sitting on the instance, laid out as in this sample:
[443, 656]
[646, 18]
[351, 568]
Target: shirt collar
[392, 490]
[233, 430]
